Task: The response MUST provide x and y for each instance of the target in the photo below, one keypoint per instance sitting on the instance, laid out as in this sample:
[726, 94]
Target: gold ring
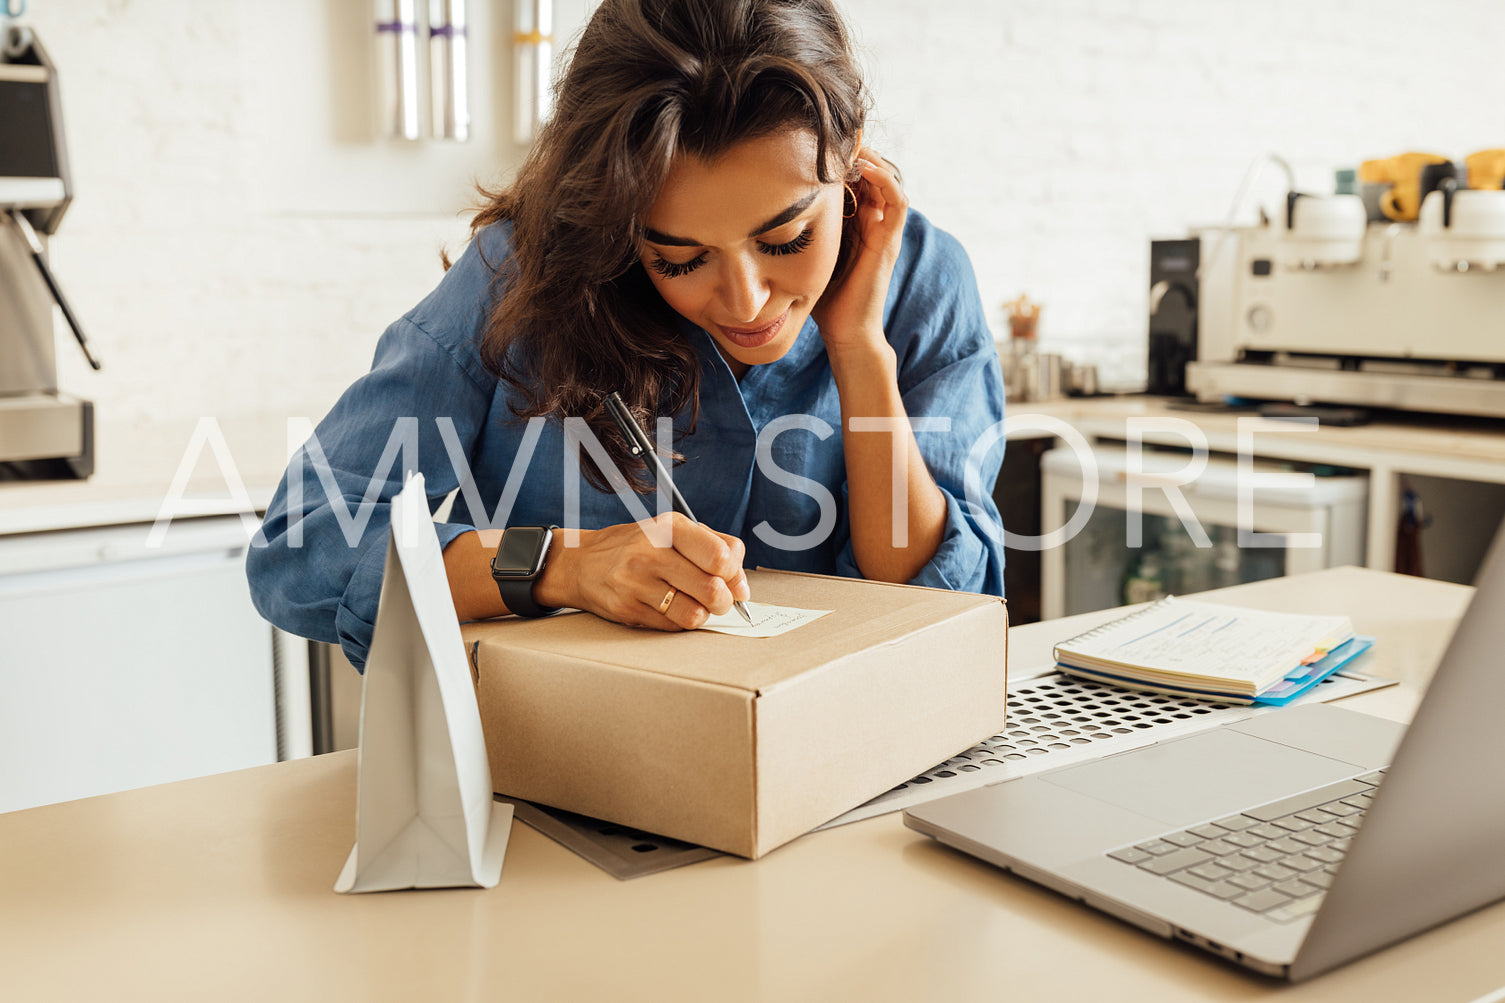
[663, 607]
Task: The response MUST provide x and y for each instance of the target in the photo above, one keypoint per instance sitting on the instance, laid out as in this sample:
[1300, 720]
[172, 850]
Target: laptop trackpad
[1219, 772]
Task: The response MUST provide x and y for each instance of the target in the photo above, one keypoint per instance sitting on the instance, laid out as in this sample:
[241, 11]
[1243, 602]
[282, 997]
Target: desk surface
[220, 888]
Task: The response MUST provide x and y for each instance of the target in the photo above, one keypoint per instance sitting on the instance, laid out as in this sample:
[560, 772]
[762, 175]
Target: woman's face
[745, 244]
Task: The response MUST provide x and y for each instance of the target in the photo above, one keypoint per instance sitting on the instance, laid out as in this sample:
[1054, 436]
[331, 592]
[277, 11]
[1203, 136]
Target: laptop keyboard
[1277, 859]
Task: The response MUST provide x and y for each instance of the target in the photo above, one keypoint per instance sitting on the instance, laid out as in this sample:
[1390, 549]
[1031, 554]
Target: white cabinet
[123, 665]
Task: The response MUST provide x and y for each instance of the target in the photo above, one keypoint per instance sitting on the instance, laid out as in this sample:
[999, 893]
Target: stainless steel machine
[44, 434]
[1323, 306]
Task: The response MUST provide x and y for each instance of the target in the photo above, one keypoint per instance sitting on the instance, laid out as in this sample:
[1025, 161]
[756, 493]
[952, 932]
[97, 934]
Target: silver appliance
[1160, 837]
[44, 434]
[1322, 306]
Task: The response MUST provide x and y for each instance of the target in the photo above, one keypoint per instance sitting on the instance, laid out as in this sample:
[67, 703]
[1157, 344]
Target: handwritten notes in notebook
[767, 620]
[1204, 646]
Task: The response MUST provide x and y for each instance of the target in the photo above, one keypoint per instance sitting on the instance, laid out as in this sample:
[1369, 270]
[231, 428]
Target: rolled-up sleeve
[948, 369]
[316, 569]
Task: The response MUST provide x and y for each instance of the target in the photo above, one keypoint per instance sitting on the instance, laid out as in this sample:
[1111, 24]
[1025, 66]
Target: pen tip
[743, 610]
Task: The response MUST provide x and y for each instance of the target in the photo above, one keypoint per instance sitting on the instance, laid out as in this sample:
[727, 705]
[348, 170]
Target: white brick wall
[1057, 137]
[238, 240]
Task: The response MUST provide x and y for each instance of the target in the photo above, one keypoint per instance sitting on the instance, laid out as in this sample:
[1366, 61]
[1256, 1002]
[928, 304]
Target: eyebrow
[794, 209]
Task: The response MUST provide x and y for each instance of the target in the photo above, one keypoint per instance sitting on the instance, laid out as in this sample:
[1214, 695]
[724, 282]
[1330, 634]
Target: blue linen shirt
[428, 404]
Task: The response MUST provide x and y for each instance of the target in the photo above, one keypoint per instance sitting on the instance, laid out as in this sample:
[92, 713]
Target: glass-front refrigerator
[1148, 534]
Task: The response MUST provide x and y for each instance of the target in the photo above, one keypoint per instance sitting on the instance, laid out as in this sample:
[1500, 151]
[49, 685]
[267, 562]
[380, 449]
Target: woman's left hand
[850, 312]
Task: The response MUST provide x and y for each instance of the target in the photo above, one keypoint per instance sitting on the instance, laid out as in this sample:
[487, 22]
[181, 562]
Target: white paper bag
[425, 817]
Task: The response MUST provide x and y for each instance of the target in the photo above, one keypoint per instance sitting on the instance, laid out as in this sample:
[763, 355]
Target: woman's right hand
[619, 573]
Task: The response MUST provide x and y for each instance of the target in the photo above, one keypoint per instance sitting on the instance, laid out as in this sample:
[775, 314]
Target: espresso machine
[1323, 305]
[45, 434]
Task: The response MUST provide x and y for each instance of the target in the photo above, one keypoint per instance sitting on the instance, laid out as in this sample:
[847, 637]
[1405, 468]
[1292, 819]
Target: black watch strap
[518, 595]
[515, 571]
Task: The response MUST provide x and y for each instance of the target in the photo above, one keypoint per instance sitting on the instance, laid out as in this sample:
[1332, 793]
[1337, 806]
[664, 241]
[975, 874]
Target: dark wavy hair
[649, 80]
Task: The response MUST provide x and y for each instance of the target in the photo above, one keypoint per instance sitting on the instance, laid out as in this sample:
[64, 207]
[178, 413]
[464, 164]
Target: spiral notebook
[1228, 653]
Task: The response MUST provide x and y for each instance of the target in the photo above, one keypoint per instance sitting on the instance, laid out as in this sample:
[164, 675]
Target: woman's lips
[755, 337]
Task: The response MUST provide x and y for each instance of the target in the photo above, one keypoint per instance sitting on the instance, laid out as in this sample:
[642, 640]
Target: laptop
[1289, 843]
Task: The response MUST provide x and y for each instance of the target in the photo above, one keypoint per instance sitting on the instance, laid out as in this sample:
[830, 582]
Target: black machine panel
[1173, 314]
[26, 147]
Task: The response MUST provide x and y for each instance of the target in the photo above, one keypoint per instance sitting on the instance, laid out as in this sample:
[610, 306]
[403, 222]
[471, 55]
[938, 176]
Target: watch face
[521, 552]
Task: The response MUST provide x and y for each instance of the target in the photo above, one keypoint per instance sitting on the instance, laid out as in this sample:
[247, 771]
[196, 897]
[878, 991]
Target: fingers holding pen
[668, 573]
[703, 573]
[718, 555]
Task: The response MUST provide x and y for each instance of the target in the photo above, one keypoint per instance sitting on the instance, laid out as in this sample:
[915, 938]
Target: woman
[699, 229]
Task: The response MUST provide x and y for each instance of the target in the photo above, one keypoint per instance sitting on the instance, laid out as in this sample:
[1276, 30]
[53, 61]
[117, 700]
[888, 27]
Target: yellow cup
[1403, 174]
[1486, 169]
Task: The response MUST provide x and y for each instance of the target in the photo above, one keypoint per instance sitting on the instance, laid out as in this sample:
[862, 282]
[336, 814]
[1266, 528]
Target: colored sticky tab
[1310, 674]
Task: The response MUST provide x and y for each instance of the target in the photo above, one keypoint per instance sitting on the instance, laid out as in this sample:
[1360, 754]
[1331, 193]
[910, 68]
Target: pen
[639, 445]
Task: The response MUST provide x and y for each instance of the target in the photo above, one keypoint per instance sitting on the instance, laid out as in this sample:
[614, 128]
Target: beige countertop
[220, 888]
[137, 470]
[1408, 441]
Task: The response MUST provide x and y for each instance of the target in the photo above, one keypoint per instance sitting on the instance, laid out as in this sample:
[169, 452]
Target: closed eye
[794, 246]
[675, 269]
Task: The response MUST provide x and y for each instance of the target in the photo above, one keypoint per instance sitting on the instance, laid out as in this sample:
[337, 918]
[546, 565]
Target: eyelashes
[676, 269]
[794, 246]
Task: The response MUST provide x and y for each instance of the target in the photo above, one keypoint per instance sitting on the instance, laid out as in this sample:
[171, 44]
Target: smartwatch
[517, 565]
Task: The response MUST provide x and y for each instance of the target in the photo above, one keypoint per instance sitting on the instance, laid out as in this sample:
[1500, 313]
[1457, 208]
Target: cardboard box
[741, 744]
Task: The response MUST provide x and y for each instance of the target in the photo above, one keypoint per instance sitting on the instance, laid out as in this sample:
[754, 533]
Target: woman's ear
[854, 172]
